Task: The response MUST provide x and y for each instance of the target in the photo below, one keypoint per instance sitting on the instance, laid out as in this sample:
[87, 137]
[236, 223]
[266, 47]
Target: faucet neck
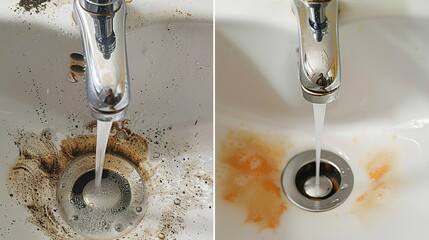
[106, 65]
[319, 49]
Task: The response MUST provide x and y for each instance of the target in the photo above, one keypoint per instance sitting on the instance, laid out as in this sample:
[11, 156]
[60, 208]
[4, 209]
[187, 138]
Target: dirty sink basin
[170, 66]
[379, 124]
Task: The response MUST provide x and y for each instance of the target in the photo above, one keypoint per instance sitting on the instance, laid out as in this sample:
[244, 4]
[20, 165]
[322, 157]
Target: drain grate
[336, 181]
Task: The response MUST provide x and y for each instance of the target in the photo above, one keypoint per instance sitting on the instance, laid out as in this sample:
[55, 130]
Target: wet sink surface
[379, 124]
[170, 56]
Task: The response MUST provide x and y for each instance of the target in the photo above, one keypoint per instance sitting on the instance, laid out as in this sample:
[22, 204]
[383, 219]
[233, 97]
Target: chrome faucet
[102, 27]
[319, 49]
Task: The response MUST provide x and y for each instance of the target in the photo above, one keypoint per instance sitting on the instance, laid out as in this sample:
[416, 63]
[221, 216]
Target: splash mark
[252, 176]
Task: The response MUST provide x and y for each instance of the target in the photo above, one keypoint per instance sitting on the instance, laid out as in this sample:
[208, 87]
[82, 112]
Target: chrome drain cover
[114, 210]
[336, 179]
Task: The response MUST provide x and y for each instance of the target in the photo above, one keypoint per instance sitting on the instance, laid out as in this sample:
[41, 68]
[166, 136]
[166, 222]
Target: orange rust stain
[361, 198]
[252, 177]
[377, 173]
[378, 169]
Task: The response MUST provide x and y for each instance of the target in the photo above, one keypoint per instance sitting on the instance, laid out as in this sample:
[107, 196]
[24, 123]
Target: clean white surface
[383, 104]
[170, 64]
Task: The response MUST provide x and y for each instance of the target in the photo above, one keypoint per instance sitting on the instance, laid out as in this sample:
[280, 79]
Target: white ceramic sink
[170, 66]
[381, 117]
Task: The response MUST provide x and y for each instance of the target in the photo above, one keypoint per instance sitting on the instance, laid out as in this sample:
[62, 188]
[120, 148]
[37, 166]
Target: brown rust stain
[251, 177]
[33, 177]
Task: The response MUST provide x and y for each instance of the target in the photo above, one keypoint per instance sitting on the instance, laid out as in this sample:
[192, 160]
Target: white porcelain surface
[383, 106]
[171, 69]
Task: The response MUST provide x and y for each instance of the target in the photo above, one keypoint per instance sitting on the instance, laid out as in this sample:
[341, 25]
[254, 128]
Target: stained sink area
[45, 121]
[378, 124]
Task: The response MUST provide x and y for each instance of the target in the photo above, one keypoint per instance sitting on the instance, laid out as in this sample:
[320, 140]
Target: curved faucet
[102, 27]
[319, 49]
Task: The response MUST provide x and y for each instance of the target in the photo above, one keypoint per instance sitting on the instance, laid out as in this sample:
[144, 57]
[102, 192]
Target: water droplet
[75, 217]
[344, 186]
[91, 205]
[161, 236]
[121, 135]
[138, 209]
[156, 155]
[4, 121]
[136, 234]
[119, 227]
[180, 219]
[177, 201]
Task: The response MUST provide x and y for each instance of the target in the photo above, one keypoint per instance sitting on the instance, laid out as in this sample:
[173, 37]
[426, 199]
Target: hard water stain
[251, 177]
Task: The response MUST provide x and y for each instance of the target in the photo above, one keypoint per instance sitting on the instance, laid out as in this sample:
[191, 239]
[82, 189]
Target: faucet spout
[102, 27]
[319, 49]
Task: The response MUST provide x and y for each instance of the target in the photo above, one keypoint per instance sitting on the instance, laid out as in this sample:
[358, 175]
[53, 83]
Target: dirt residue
[32, 182]
[38, 5]
[33, 178]
[252, 177]
[172, 191]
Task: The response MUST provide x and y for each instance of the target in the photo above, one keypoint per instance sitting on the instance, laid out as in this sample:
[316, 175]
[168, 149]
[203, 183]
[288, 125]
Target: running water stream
[319, 120]
[103, 131]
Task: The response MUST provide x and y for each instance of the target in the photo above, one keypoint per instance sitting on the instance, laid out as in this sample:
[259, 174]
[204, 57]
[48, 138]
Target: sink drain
[112, 211]
[336, 181]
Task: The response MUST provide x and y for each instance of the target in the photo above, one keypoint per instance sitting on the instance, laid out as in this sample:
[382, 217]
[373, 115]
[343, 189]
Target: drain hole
[87, 177]
[109, 211]
[118, 200]
[336, 181]
[330, 179]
